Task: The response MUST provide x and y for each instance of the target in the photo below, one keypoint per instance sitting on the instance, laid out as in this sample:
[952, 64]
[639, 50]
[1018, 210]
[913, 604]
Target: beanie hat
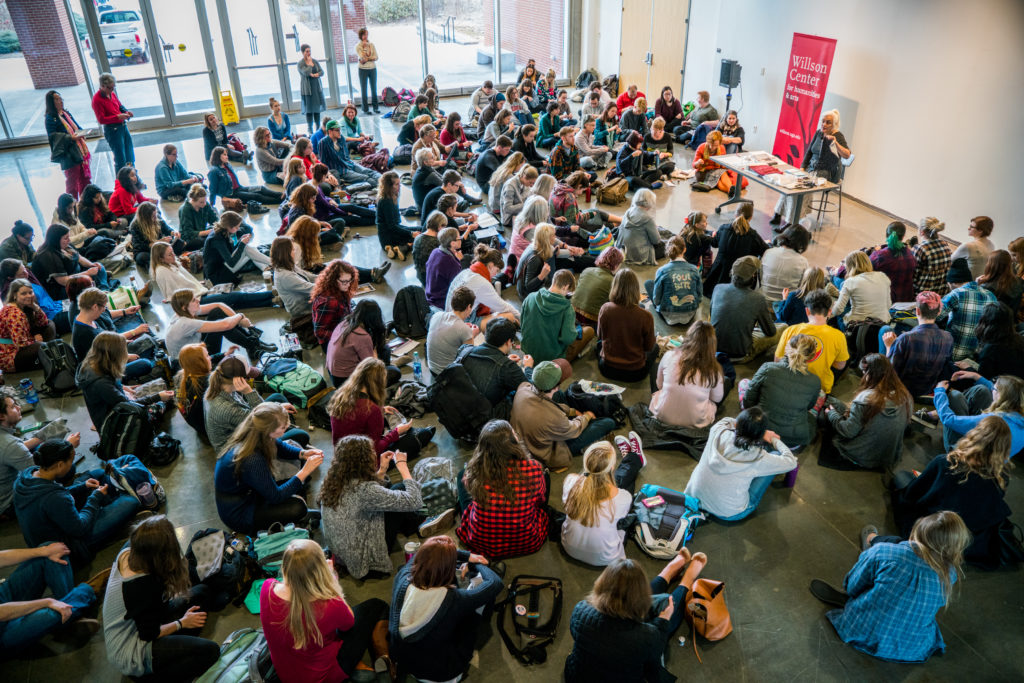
[746, 268]
[499, 98]
[959, 272]
[546, 376]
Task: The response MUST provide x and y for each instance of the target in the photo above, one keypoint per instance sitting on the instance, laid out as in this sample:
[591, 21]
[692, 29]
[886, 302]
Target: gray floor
[766, 561]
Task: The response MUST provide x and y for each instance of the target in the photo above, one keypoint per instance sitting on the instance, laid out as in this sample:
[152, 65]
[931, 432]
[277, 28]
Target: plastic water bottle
[28, 390]
[417, 367]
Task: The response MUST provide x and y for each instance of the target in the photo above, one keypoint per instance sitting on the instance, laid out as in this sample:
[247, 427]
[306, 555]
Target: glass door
[183, 37]
[252, 43]
[457, 37]
[302, 24]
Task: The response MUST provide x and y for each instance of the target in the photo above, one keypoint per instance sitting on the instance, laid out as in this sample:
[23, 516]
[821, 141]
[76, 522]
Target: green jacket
[549, 325]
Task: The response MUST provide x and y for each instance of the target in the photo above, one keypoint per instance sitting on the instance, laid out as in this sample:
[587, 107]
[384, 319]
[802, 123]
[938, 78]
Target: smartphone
[653, 501]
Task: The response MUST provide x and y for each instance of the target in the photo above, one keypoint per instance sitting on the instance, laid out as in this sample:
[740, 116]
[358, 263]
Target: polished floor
[766, 562]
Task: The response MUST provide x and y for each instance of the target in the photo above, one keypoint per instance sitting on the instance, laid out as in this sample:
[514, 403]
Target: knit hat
[499, 98]
[549, 374]
[332, 125]
[959, 272]
[746, 268]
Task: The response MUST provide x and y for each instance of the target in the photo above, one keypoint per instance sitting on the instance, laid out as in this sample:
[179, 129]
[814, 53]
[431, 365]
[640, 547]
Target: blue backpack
[128, 475]
[661, 531]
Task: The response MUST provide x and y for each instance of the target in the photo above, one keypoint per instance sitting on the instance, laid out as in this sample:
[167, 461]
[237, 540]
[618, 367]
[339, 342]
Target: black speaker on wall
[730, 75]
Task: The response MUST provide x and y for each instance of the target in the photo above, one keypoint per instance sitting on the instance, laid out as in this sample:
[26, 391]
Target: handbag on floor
[534, 606]
[707, 613]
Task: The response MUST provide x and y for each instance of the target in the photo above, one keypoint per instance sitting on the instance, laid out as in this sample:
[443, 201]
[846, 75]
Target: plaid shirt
[933, 259]
[964, 306]
[920, 357]
[328, 313]
[900, 269]
[563, 161]
[503, 529]
[894, 597]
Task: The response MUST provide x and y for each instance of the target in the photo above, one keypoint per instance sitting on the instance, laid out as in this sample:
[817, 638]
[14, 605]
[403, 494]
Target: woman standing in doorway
[367, 54]
[311, 90]
[67, 144]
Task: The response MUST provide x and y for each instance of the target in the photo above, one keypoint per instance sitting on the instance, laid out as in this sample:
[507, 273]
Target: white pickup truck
[123, 37]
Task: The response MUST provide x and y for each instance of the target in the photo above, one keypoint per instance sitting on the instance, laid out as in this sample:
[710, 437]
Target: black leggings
[357, 640]
[214, 340]
[257, 193]
[405, 523]
[183, 655]
[649, 370]
[292, 510]
[646, 178]
[177, 246]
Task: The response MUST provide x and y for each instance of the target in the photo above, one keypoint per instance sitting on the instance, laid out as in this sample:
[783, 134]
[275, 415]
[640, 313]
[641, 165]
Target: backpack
[535, 606]
[317, 413]
[163, 450]
[411, 312]
[98, 248]
[608, 405]
[661, 531]
[58, 361]
[612, 191]
[459, 405]
[223, 562]
[586, 78]
[611, 85]
[599, 241]
[406, 95]
[400, 114]
[379, 161]
[862, 339]
[126, 429]
[244, 658]
[436, 476]
[409, 397]
[389, 96]
[131, 477]
[402, 156]
[270, 545]
[300, 384]
[706, 610]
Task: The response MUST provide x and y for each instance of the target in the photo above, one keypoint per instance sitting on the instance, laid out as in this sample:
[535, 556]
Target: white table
[740, 163]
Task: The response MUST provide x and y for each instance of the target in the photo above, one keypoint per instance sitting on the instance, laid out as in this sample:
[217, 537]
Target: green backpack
[244, 658]
[300, 384]
[270, 545]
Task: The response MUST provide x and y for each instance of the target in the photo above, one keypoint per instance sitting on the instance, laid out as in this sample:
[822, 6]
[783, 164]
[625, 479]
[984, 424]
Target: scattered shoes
[925, 417]
[377, 274]
[438, 523]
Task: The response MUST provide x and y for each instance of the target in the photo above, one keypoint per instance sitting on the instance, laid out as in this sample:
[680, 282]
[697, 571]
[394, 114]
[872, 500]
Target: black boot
[776, 219]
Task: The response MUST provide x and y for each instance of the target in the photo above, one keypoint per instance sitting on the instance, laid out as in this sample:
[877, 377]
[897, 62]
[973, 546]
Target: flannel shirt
[900, 268]
[964, 306]
[328, 313]
[563, 161]
[894, 597]
[933, 258]
[503, 529]
[921, 356]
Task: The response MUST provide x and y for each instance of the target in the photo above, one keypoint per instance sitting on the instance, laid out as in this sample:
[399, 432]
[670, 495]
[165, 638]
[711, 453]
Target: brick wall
[47, 37]
[355, 18]
[532, 29]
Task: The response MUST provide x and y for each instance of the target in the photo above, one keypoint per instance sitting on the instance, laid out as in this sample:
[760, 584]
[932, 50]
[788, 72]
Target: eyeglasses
[345, 282]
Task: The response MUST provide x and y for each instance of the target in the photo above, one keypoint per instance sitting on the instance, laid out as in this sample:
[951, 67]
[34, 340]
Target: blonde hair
[940, 540]
[528, 172]
[800, 351]
[310, 580]
[90, 297]
[507, 169]
[197, 191]
[641, 103]
[741, 224]
[421, 120]
[593, 487]
[542, 246]
[985, 451]
[294, 169]
[857, 262]
[658, 123]
[931, 227]
[543, 187]
[156, 257]
[812, 279]
[252, 435]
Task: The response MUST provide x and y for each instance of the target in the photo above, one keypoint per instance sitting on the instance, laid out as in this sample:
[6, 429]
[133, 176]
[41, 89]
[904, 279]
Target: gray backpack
[437, 484]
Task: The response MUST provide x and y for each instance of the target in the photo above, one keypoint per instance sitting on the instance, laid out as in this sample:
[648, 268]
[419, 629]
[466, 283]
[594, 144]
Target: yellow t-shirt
[831, 349]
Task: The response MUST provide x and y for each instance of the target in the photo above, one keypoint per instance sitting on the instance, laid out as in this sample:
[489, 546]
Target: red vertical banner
[810, 62]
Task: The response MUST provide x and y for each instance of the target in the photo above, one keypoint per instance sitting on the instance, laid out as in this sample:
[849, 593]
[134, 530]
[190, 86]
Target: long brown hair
[1016, 248]
[195, 370]
[155, 551]
[622, 591]
[281, 257]
[433, 565]
[625, 290]
[369, 378]
[490, 469]
[252, 437]
[998, 273]
[305, 232]
[985, 451]
[882, 385]
[940, 540]
[304, 197]
[108, 355]
[354, 460]
[697, 363]
[147, 221]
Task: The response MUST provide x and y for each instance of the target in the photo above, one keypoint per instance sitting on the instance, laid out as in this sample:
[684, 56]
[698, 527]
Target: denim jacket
[677, 287]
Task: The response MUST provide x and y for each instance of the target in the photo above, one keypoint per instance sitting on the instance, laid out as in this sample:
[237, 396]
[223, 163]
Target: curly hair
[305, 232]
[354, 461]
[984, 451]
[327, 281]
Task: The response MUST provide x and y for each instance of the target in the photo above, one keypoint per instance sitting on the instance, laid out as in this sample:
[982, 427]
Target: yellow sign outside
[127, 52]
[181, 47]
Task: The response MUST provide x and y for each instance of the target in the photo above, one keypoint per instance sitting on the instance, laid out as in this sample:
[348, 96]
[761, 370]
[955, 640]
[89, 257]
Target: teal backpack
[300, 384]
[244, 658]
[270, 545]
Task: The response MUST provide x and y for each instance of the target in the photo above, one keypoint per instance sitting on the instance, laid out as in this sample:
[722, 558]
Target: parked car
[122, 32]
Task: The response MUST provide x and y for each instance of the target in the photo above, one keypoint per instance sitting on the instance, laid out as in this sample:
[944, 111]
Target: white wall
[929, 94]
[602, 31]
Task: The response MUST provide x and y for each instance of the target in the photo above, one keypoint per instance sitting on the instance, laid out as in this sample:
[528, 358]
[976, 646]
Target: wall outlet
[762, 71]
[755, 129]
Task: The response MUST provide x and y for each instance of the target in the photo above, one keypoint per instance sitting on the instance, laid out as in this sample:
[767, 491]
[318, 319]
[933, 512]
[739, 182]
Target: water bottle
[28, 390]
[417, 367]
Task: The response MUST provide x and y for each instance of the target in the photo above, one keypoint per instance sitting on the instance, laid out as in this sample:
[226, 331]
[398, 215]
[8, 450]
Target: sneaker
[864, 533]
[623, 445]
[637, 446]
[827, 594]
[433, 526]
[378, 273]
[925, 417]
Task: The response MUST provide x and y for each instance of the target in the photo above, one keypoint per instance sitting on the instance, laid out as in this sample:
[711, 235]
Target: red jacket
[107, 108]
[124, 203]
[626, 102]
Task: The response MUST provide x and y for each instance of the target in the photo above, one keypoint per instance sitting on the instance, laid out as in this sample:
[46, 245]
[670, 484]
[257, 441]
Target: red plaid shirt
[328, 313]
[503, 529]
[900, 269]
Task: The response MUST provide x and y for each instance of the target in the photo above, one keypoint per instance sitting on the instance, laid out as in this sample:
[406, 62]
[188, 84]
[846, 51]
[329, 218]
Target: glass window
[181, 46]
[129, 52]
[456, 54]
[252, 36]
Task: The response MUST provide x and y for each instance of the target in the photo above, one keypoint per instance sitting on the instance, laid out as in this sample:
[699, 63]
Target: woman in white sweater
[170, 276]
[866, 290]
[293, 284]
[485, 261]
[737, 466]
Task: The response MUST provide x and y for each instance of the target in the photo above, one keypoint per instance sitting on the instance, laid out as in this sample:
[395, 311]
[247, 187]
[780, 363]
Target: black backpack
[224, 562]
[126, 429]
[388, 97]
[460, 407]
[402, 156]
[534, 604]
[163, 450]
[58, 361]
[411, 312]
[601, 406]
[317, 412]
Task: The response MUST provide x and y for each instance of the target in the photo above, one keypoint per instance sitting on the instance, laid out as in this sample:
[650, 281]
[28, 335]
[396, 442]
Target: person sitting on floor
[549, 328]
[961, 412]
[868, 434]
[639, 238]
[293, 284]
[448, 331]
[495, 373]
[395, 239]
[832, 353]
[677, 289]
[598, 499]
[127, 195]
[627, 347]
[897, 588]
[443, 265]
[897, 261]
[24, 328]
[439, 601]
[865, 293]
[362, 334]
[552, 432]
[362, 514]
[692, 381]
[503, 493]
[786, 390]
[922, 356]
[733, 241]
[632, 161]
[487, 264]
[312, 633]
[736, 308]
[190, 384]
[792, 309]
[963, 308]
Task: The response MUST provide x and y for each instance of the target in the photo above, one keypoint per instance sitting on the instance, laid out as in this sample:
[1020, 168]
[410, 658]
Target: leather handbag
[706, 611]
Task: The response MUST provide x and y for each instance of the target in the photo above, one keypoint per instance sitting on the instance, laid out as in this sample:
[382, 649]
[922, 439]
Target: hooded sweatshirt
[549, 325]
[721, 480]
[637, 236]
[46, 512]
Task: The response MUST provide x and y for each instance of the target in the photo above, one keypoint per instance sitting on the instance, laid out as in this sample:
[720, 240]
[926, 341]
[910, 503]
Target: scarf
[72, 128]
[481, 270]
[728, 130]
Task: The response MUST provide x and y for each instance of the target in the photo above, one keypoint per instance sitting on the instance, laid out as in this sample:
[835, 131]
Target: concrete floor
[766, 561]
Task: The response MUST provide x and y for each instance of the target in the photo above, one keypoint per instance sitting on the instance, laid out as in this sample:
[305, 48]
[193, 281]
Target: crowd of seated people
[511, 317]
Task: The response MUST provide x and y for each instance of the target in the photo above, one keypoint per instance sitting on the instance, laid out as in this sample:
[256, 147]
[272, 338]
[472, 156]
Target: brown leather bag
[232, 204]
[706, 611]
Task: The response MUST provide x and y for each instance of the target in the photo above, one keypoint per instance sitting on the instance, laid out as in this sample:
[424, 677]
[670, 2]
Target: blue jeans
[596, 430]
[111, 519]
[974, 401]
[28, 582]
[299, 436]
[138, 368]
[120, 141]
[659, 587]
[270, 177]
[368, 76]
[356, 174]
[758, 485]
